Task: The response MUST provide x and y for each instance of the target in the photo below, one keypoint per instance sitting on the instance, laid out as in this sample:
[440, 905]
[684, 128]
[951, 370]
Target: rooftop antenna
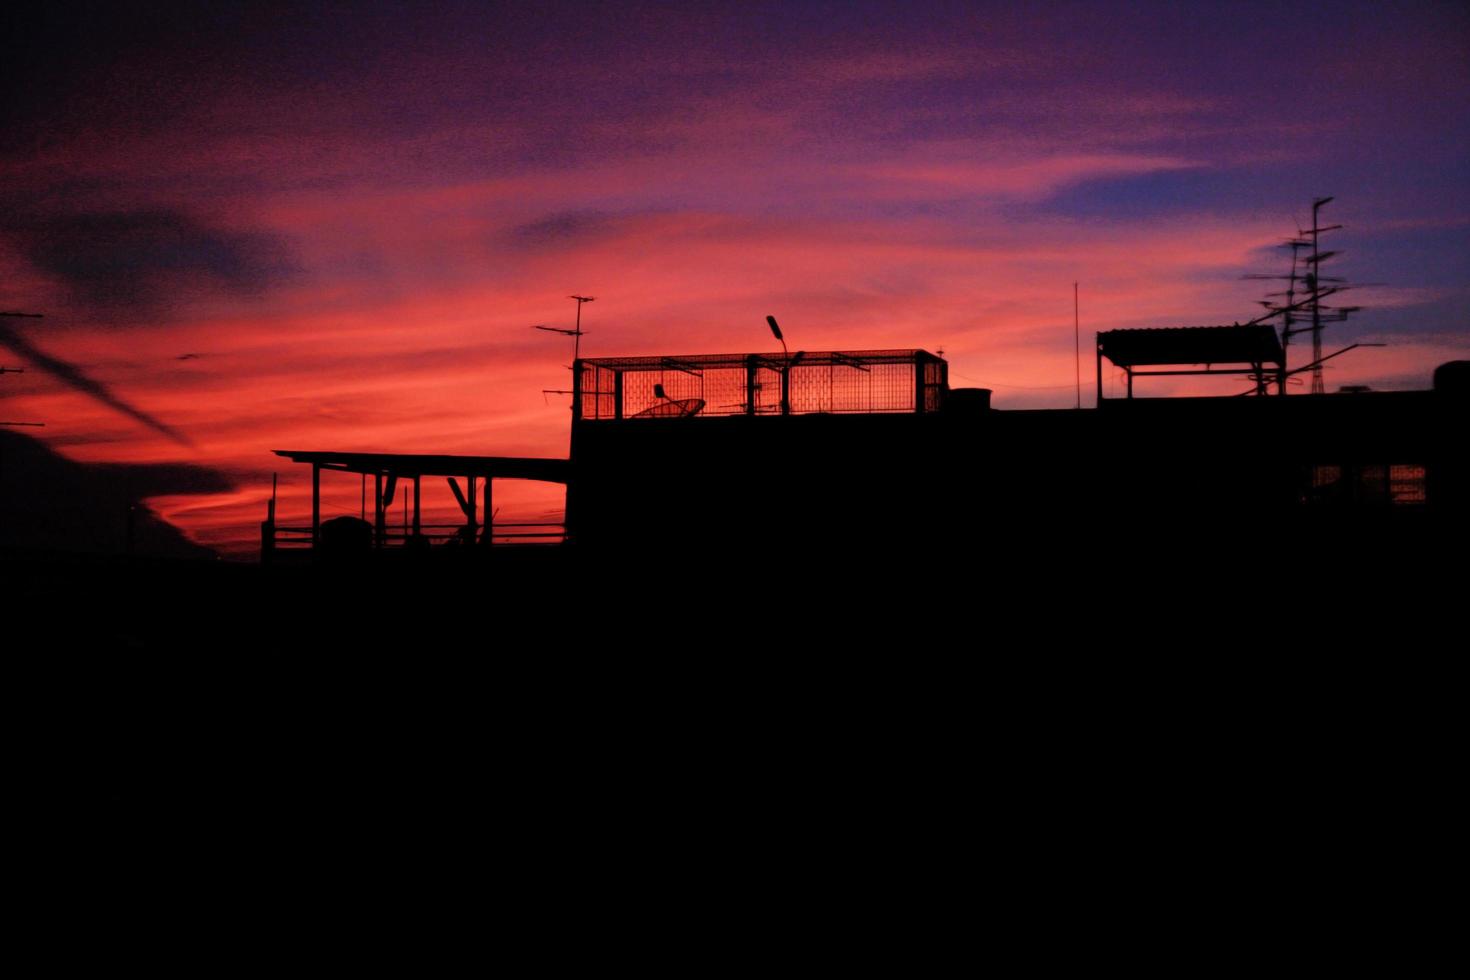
[1315, 288]
[575, 331]
[576, 334]
[1077, 342]
[1287, 309]
[577, 351]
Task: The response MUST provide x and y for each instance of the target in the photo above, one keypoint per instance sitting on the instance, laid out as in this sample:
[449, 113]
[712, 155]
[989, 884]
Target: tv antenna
[1306, 280]
[575, 333]
[1321, 313]
[577, 350]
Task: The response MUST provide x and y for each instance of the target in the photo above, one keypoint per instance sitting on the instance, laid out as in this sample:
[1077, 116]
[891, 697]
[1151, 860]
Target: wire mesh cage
[803, 383]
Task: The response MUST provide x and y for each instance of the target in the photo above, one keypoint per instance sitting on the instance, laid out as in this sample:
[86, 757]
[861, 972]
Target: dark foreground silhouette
[1040, 687]
[562, 720]
[52, 505]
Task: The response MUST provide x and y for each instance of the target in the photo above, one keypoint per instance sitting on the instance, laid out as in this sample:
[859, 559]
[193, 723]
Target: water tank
[967, 401]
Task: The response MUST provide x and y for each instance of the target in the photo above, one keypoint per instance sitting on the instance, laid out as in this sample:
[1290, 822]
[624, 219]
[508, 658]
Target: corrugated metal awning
[413, 464]
[1254, 344]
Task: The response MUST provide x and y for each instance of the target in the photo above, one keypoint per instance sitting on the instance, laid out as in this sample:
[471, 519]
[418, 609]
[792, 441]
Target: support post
[416, 525]
[485, 539]
[577, 382]
[380, 520]
[268, 527]
[470, 508]
[1099, 377]
[752, 365]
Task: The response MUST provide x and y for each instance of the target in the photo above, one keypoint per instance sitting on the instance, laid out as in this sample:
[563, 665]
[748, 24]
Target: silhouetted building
[768, 463]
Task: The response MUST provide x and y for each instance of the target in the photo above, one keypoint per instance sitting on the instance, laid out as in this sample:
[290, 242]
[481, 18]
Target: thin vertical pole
[577, 358]
[417, 526]
[268, 529]
[1315, 285]
[1099, 376]
[489, 511]
[1077, 342]
[380, 520]
[577, 337]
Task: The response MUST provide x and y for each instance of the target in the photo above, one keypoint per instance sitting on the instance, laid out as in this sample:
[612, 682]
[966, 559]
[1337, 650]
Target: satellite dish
[680, 408]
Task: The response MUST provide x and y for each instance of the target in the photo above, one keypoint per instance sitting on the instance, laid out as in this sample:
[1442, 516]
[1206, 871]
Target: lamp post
[785, 366]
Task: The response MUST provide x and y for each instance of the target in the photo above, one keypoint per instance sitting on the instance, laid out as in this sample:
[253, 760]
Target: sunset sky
[264, 226]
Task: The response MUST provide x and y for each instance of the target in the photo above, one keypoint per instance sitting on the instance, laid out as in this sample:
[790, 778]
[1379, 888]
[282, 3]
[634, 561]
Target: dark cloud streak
[142, 261]
[71, 376]
[158, 479]
[563, 228]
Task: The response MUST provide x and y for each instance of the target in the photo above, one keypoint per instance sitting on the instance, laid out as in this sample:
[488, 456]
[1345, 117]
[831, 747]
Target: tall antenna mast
[1077, 343]
[1314, 289]
[576, 333]
[577, 350]
[1310, 308]
[1296, 245]
[1287, 309]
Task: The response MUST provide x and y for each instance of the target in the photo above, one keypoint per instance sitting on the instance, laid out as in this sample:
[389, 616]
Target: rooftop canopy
[1255, 344]
[1253, 347]
[410, 464]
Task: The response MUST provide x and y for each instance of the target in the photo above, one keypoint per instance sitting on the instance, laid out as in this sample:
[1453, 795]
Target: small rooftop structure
[803, 383]
[411, 465]
[1253, 346]
[387, 469]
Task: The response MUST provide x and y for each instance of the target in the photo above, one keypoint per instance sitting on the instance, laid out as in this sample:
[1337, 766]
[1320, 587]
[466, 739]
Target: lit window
[1406, 484]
